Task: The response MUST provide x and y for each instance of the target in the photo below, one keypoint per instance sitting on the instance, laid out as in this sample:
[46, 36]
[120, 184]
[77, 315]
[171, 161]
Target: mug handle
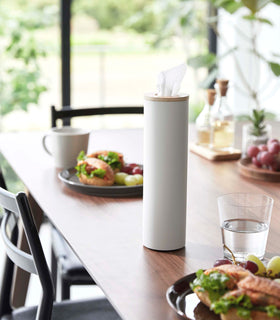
[45, 145]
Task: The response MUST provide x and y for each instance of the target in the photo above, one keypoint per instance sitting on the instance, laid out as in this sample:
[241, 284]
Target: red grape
[256, 162]
[259, 156]
[127, 169]
[275, 166]
[137, 170]
[274, 147]
[266, 158]
[221, 262]
[271, 141]
[263, 147]
[252, 151]
[132, 165]
[251, 266]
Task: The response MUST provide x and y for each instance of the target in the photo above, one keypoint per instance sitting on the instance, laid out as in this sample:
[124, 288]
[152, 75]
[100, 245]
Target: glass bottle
[221, 120]
[203, 120]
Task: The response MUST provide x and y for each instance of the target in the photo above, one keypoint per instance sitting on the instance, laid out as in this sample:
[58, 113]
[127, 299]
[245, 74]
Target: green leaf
[112, 159]
[244, 313]
[81, 156]
[255, 5]
[233, 7]
[81, 169]
[257, 119]
[264, 20]
[243, 117]
[277, 2]
[275, 68]
[242, 303]
[272, 311]
[207, 60]
[253, 17]
[270, 116]
[206, 83]
[230, 6]
[99, 173]
[214, 283]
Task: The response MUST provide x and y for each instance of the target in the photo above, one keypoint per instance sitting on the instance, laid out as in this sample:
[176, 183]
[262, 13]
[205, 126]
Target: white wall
[256, 72]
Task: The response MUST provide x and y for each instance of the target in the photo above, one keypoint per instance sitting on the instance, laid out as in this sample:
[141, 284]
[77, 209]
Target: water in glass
[244, 237]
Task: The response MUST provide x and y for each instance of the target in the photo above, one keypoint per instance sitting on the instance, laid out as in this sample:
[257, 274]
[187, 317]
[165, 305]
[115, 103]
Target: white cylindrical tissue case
[165, 171]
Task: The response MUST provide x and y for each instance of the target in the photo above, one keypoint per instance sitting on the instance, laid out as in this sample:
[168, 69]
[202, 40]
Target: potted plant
[256, 132]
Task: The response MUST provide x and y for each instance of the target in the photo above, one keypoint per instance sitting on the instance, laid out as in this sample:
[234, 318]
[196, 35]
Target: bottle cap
[223, 86]
[211, 94]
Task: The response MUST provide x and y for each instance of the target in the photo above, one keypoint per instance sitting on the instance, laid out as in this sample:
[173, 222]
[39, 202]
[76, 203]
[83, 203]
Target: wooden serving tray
[213, 155]
[248, 169]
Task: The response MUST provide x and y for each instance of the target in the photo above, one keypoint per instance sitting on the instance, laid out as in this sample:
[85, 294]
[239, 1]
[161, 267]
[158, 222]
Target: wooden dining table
[106, 233]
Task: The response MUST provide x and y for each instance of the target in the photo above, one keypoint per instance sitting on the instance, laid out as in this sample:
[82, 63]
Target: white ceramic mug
[65, 145]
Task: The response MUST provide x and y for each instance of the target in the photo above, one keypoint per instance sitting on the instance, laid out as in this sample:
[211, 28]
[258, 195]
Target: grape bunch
[266, 155]
[256, 266]
[131, 175]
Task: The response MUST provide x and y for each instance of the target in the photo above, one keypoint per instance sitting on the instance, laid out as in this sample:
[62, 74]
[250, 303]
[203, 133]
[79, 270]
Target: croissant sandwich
[237, 294]
[114, 159]
[95, 172]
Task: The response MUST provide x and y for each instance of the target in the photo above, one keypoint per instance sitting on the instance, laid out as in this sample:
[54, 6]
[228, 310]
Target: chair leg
[54, 270]
[62, 285]
[21, 278]
[65, 290]
[5, 307]
[7, 280]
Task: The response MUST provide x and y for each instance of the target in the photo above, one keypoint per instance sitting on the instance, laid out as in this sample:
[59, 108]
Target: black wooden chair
[66, 268]
[67, 112]
[16, 208]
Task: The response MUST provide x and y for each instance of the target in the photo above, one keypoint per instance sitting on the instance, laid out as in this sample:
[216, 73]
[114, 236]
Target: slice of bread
[203, 296]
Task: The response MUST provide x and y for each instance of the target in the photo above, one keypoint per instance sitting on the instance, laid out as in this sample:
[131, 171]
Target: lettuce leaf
[112, 159]
[81, 156]
[242, 303]
[214, 284]
[272, 311]
[81, 169]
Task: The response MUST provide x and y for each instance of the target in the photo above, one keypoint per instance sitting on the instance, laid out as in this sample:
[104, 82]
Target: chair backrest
[16, 207]
[68, 112]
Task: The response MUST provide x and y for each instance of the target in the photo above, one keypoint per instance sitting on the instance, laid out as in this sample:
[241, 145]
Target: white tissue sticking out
[169, 81]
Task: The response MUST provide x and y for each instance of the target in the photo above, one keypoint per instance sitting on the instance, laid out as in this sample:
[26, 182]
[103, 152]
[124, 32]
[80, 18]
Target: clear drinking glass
[244, 221]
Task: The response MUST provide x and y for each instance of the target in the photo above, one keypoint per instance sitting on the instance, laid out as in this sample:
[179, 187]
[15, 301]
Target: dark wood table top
[106, 233]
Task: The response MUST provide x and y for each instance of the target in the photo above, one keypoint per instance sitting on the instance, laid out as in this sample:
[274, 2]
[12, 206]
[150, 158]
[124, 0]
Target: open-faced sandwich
[237, 294]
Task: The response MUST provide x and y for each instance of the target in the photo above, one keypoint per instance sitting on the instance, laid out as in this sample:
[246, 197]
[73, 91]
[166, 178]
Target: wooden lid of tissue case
[155, 97]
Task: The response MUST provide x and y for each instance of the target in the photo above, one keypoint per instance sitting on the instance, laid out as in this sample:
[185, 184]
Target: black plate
[70, 179]
[185, 302]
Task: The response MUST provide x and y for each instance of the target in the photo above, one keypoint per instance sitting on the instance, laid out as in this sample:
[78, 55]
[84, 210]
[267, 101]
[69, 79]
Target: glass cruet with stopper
[221, 120]
[202, 122]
